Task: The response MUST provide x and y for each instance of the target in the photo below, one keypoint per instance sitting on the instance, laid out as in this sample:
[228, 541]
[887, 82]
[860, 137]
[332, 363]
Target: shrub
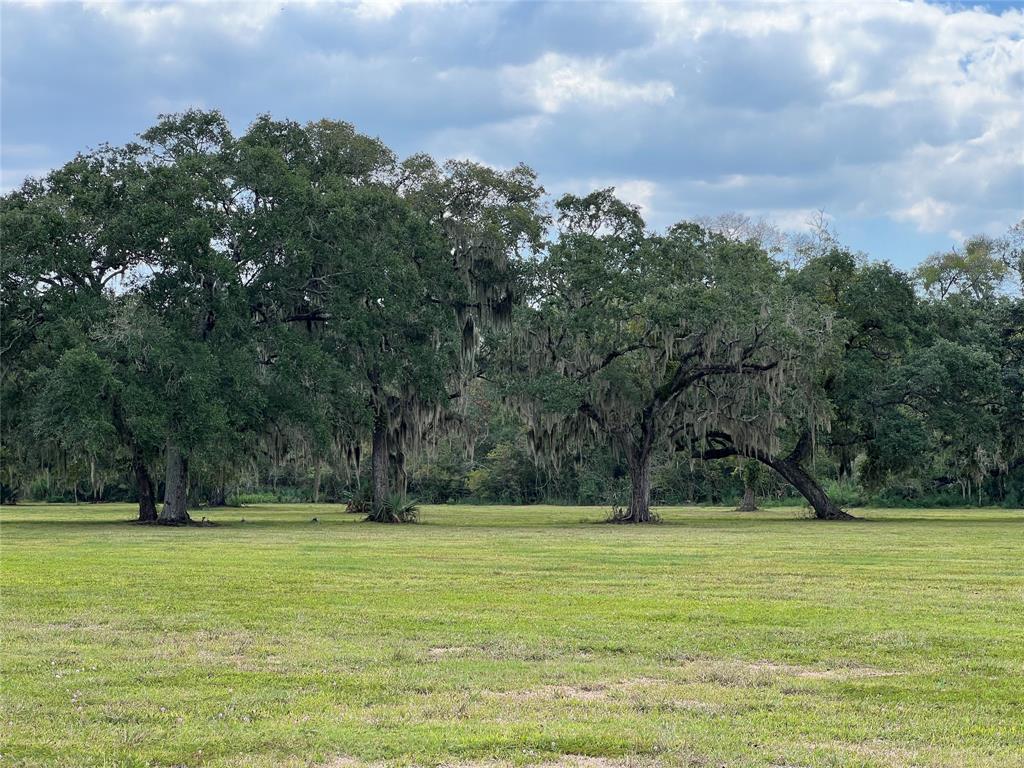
[845, 493]
[397, 509]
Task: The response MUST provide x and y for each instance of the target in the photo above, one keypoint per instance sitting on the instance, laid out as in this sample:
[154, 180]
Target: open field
[493, 635]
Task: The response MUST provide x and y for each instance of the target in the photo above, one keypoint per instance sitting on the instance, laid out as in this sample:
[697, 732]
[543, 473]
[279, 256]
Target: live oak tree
[487, 222]
[890, 386]
[296, 300]
[651, 341]
[72, 243]
[438, 265]
[385, 272]
[959, 392]
[198, 296]
[962, 380]
[875, 315]
[913, 379]
[866, 308]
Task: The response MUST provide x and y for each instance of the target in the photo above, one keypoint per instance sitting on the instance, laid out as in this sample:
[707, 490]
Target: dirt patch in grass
[882, 752]
[813, 673]
[597, 691]
[762, 673]
[585, 692]
[587, 761]
[646, 705]
[447, 650]
[641, 682]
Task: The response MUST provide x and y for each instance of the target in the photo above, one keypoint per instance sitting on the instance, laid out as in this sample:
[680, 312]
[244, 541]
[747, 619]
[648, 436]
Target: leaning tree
[655, 342]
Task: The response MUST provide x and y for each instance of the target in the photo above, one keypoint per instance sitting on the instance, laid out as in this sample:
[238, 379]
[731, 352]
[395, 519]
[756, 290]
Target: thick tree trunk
[640, 487]
[791, 470]
[379, 464]
[146, 489]
[823, 506]
[749, 503]
[175, 509]
[316, 484]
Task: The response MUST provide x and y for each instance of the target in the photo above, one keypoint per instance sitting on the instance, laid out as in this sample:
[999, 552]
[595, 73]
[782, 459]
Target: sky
[902, 121]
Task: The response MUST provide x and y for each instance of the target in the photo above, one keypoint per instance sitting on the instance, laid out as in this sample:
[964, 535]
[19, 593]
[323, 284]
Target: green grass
[512, 635]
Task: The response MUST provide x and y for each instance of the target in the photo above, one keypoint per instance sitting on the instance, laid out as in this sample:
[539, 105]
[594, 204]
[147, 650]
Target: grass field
[504, 635]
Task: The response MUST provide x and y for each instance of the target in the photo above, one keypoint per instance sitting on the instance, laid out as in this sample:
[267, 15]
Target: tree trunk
[379, 464]
[823, 506]
[749, 503]
[145, 488]
[219, 492]
[316, 483]
[92, 477]
[791, 470]
[640, 487]
[845, 464]
[175, 509]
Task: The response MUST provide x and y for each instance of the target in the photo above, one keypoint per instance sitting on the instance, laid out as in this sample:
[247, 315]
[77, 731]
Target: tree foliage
[297, 310]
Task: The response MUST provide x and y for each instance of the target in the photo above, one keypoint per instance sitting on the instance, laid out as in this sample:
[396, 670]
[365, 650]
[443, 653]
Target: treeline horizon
[297, 314]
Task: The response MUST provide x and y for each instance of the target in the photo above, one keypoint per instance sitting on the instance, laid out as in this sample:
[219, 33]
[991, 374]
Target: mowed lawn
[512, 635]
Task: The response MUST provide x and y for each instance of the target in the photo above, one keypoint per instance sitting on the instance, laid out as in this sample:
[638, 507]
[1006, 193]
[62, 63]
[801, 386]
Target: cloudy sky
[903, 121]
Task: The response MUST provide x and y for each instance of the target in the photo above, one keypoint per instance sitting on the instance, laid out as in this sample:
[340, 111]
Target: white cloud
[157, 22]
[382, 10]
[929, 214]
[554, 81]
[639, 192]
[963, 68]
[906, 111]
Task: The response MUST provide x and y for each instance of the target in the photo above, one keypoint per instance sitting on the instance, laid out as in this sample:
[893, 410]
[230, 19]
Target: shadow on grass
[949, 520]
[244, 518]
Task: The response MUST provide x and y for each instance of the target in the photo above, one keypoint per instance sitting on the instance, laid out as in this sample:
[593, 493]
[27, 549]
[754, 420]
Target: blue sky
[903, 121]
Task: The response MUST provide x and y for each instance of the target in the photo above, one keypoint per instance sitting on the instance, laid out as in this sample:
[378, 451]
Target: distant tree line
[199, 318]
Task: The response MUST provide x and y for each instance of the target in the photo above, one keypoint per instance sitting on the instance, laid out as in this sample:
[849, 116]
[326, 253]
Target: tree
[283, 305]
[876, 317]
[388, 271]
[653, 341]
[789, 465]
[1010, 249]
[197, 296]
[962, 383]
[975, 269]
[750, 472]
[72, 243]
